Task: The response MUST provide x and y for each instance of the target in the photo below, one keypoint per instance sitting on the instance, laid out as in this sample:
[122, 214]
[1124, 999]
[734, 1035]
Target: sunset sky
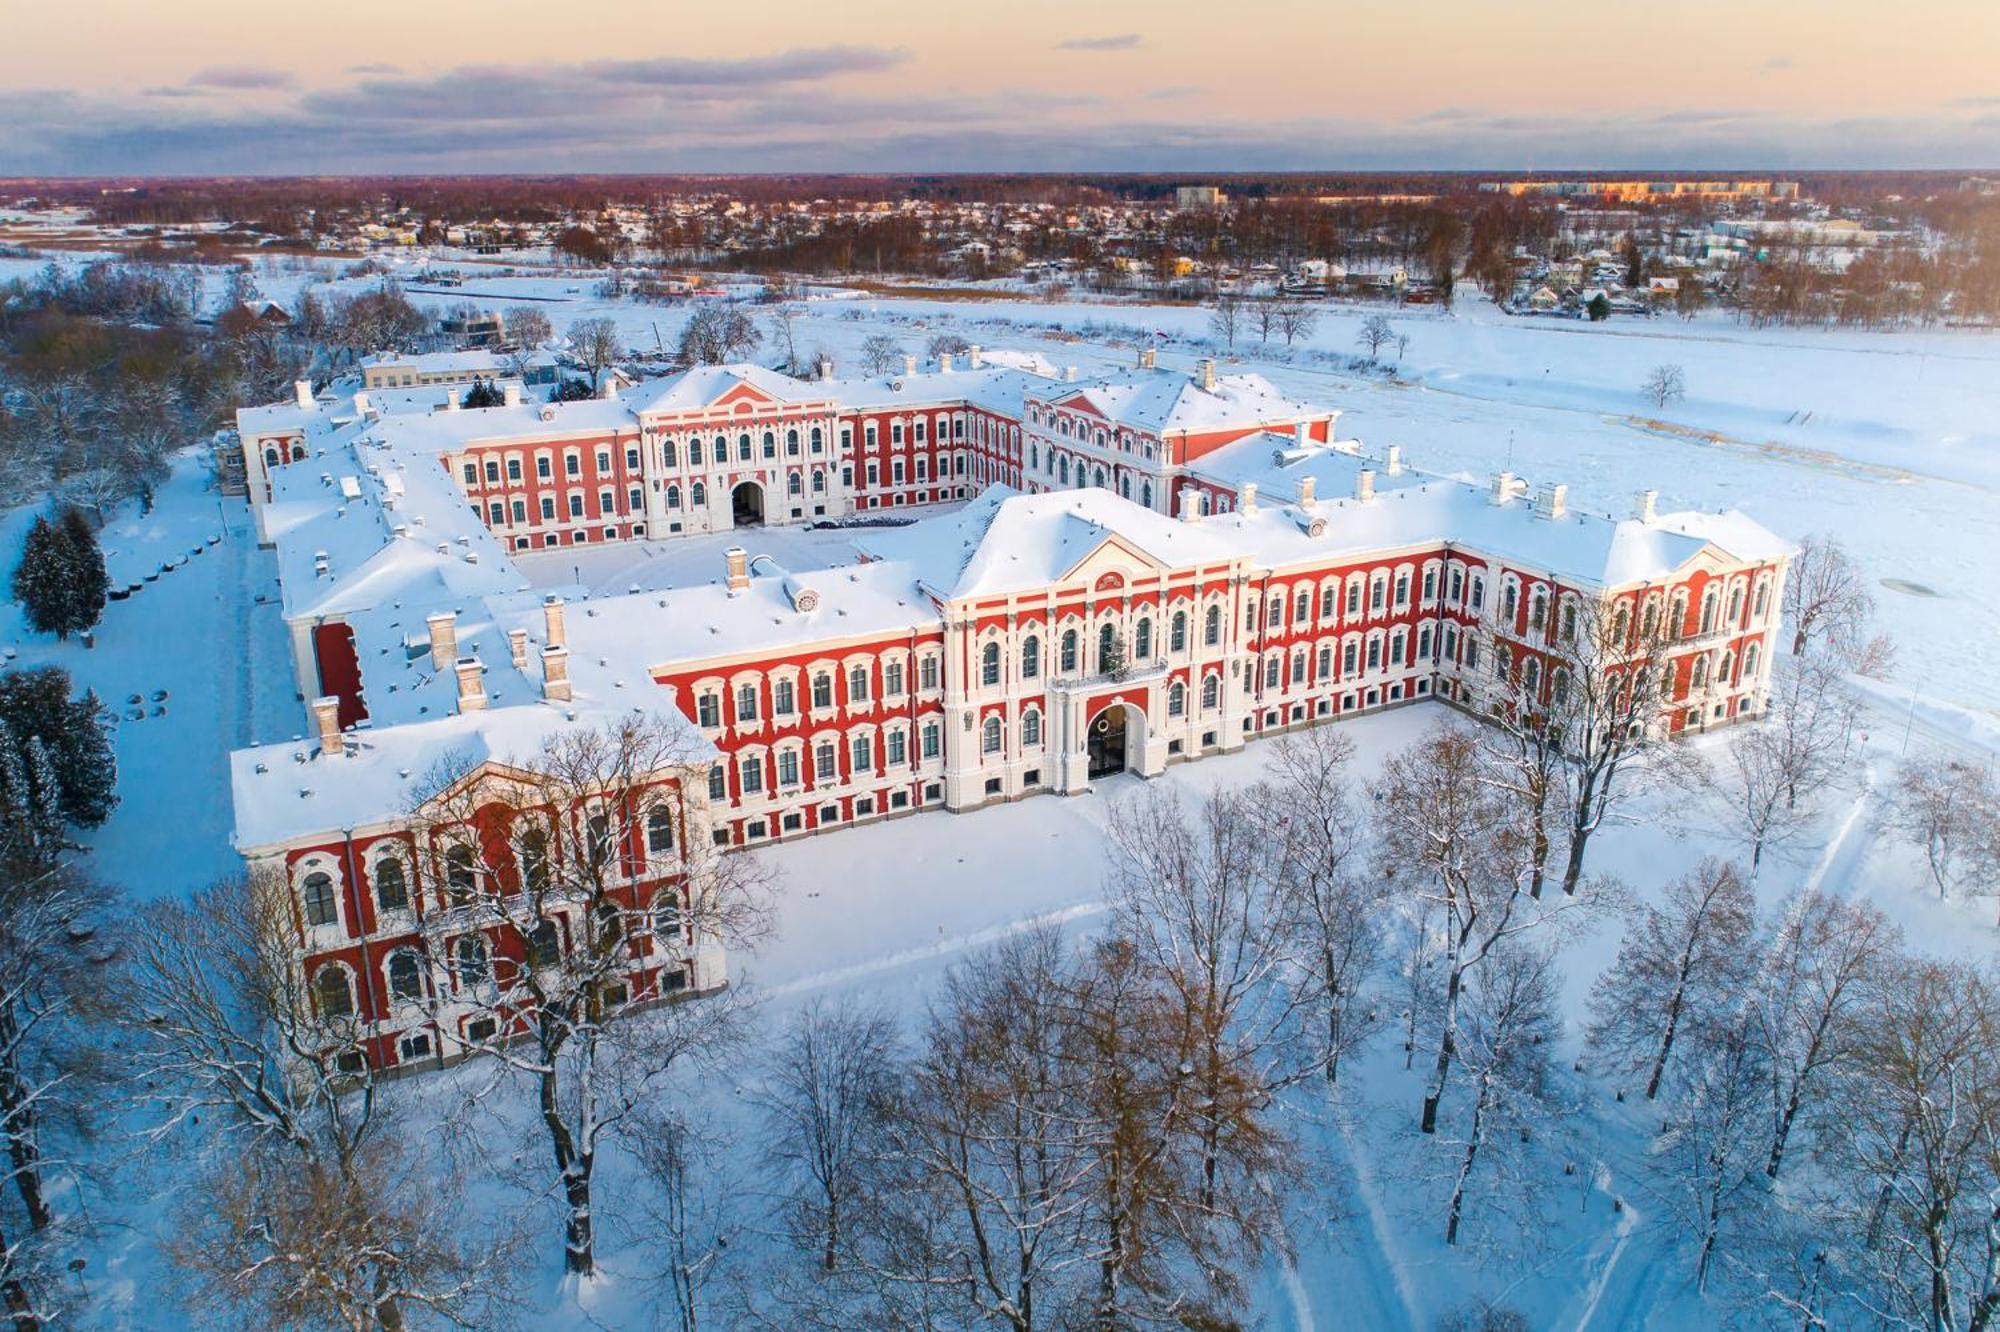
[207, 86]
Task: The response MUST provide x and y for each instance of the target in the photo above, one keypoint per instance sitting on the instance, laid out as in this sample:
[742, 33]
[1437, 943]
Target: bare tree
[1679, 966]
[828, 1082]
[1922, 1143]
[1330, 909]
[1375, 334]
[879, 352]
[1263, 317]
[716, 334]
[307, 1208]
[595, 344]
[549, 862]
[1196, 893]
[687, 1218]
[1823, 964]
[1296, 320]
[1713, 1138]
[1826, 595]
[527, 327]
[1225, 317]
[1951, 809]
[946, 344]
[1665, 383]
[1461, 843]
[1750, 786]
[1510, 1029]
[783, 319]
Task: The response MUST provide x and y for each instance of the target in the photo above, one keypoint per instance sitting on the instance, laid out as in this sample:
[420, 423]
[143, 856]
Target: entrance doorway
[1106, 742]
[746, 505]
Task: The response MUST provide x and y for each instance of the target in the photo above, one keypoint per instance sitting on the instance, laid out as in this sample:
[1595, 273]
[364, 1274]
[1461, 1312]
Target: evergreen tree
[43, 582]
[35, 705]
[1599, 308]
[483, 393]
[571, 390]
[90, 584]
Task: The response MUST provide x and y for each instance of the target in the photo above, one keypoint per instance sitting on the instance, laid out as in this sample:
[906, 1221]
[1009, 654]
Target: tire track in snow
[1378, 1231]
[957, 943]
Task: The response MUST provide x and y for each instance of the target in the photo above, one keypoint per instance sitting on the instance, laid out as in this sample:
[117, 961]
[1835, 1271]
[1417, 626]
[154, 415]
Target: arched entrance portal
[1105, 742]
[746, 505]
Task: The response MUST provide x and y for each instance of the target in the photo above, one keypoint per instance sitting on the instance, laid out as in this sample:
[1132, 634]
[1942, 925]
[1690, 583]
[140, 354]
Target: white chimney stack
[1069, 374]
[1503, 487]
[517, 647]
[1204, 375]
[1395, 460]
[944, 363]
[302, 389]
[552, 622]
[825, 368]
[555, 673]
[510, 395]
[326, 718]
[444, 637]
[738, 563]
[1299, 435]
[1364, 485]
[1551, 501]
[451, 403]
[975, 357]
[471, 684]
[909, 365]
[1246, 497]
[1643, 506]
[608, 390]
[1307, 499]
[1191, 503]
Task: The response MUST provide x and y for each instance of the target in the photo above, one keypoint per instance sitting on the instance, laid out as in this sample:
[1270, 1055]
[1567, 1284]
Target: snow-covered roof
[1159, 400]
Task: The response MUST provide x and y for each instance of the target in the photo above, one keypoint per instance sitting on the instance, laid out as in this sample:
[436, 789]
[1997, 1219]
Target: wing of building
[1020, 582]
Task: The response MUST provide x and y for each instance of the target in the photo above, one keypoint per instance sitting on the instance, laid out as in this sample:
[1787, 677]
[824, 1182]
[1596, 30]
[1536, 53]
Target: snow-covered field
[1887, 441]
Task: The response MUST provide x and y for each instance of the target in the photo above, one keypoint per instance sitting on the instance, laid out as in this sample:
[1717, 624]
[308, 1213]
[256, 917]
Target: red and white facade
[1033, 640]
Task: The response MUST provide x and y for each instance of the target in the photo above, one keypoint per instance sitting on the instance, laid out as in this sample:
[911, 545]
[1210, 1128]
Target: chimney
[824, 368]
[1643, 505]
[1503, 487]
[608, 390]
[302, 389]
[1364, 484]
[361, 404]
[1204, 375]
[555, 673]
[1191, 503]
[975, 357]
[1069, 374]
[326, 717]
[451, 403]
[444, 637]
[1299, 435]
[510, 395]
[944, 363]
[739, 570]
[909, 365]
[1551, 500]
[1246, 497]
[1307, 499]
[1395, 459]
[1150, 358]
[471, 684]
[552, 622]
[517, 648]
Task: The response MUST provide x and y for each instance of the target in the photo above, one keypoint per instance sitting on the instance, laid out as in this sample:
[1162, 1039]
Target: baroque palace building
[1021, 582]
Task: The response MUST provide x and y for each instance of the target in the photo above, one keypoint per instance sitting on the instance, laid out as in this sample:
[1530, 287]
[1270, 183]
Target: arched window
[1722, 672]
[1031, 727]
[1177, 699]
[1531, 677]
[544, 944]
[743, 447]
[320, 908]
[1106, 646]
[1699, 676]
[461, 876]
[819, 483]
[1559, 686]
[1177, 633]
[1708, 608]
[1750, 662]
[673, 497]
[989, 664]
[794, 485]
[1510, 598]
[791, 443]
[1538, 610]
[332, 994]
[1212, 630]
[1735, 603]
[534, 859]
[659, 831]
[698, 495]
[610, 923]
[473, 965]
[1211, 690]
[1031, 657]
[1142, 640]
[667, 916]
[1069, 650]
[406, 975]
[1762, 599]
[989, 741]
[392, 886]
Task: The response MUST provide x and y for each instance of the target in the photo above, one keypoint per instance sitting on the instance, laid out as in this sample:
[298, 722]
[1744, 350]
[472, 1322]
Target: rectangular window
[929, 670]
[746, 703]
[1354, 598]
[572, 464]
[718, 783]
[575, 505]
[897, 747]
[824, 767]
[753, 774]
[864, 753]
[708, 710]
[788, 768]
[493, 473]
[892, 679]
[542, 467]
[632, 459]
[783, 700]
[930, 740]
[513, 469]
